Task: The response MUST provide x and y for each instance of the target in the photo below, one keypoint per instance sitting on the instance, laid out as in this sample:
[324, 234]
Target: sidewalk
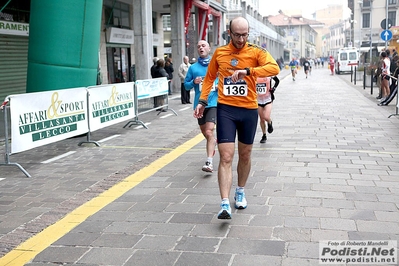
[329, 171]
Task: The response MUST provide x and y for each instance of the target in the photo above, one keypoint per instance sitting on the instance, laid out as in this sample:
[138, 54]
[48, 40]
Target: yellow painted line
[27, 250]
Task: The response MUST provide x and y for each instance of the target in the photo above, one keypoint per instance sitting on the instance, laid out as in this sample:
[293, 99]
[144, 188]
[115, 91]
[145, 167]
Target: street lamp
[350, 32]
[371, 30]
[360, 2]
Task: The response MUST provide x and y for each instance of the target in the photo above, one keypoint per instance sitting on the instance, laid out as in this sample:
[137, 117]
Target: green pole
[64, 40]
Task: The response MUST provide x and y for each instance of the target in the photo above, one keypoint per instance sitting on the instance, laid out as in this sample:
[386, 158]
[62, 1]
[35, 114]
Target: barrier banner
[46, 117]
[110, 104]
[148, 88]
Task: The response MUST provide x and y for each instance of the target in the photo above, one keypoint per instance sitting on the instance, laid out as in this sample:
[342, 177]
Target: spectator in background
[377, 77]
[183, 69]
[154, 60]
[394, 81]
[160, 72]
[385, 72]
[394, 52]
[152, 70]
[169, 69]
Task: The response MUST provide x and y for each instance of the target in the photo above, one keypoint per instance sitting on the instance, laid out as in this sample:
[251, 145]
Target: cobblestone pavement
[329, 171]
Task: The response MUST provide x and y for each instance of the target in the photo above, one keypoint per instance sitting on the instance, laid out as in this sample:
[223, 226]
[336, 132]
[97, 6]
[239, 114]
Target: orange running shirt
[225, 61]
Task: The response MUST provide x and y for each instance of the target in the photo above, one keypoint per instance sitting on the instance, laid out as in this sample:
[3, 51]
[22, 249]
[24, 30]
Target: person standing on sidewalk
[194, 78]
[169, 69]
[183, 69]
[385, 73]
[236, 65]
[160, 72]
[265, 102]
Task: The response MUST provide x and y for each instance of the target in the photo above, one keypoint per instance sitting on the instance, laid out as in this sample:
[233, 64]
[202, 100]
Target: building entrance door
[118, 62]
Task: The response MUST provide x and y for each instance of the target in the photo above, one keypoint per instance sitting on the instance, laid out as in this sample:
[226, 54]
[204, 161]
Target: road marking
[184, 109]
[110, 137]
[139, 127]
[59, 157]
[27, 250]
[165, 116]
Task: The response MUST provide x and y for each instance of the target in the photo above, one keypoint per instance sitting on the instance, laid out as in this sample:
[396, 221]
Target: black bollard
[351, 74]
[372, 81]
[364, 78]
[355, 75]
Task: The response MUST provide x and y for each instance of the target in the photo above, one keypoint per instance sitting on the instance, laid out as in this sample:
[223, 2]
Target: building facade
[369, 15]
[300, 36]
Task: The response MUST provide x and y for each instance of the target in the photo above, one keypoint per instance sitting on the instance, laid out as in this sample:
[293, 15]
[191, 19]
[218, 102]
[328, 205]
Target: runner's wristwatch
[248, 71]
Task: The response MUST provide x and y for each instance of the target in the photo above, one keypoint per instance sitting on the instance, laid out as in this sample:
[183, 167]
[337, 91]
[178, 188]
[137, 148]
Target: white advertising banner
[46, 117]
[151, 87]
[110, 104]
[14, 28]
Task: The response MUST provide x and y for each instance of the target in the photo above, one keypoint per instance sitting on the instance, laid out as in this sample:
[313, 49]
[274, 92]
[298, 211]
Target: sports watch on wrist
[248, 71]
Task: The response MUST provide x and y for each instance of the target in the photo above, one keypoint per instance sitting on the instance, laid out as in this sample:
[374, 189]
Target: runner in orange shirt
[237, 65]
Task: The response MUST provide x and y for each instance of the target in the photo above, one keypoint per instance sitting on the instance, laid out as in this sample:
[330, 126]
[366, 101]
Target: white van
[346, 58]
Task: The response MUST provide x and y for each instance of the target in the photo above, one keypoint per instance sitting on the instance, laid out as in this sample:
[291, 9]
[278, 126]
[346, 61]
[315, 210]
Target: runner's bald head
[239, 22]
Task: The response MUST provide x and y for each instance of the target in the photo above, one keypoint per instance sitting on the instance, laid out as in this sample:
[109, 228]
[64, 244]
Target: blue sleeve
[189, 80]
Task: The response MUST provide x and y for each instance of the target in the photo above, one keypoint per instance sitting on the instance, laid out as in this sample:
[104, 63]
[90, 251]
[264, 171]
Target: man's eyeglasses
[238, 36]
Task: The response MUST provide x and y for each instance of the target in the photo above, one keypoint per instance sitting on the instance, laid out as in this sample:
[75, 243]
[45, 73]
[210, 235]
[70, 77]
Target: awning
[204, 10]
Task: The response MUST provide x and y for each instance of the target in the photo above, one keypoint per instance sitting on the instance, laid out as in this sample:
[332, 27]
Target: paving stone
[337, 224]
[61, 254]
[157, 242]
[378, 227]
[106, 256]
[240, 260]
[152, 257]
[200, 259]
[371, 205]
[357, 214]
[251, 232]
[322, 234]
[301, 222]
[113, 240]
[320, 212]
[299, 261]
[291, 234]
[387, 216]
[78, 239]
[252, 247]
[303, 250]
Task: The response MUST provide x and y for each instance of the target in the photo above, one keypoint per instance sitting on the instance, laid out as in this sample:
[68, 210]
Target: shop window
[116, 14]
[18, 11]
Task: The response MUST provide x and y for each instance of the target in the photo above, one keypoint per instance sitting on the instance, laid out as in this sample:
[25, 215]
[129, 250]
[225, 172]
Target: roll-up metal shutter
[13, 64]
